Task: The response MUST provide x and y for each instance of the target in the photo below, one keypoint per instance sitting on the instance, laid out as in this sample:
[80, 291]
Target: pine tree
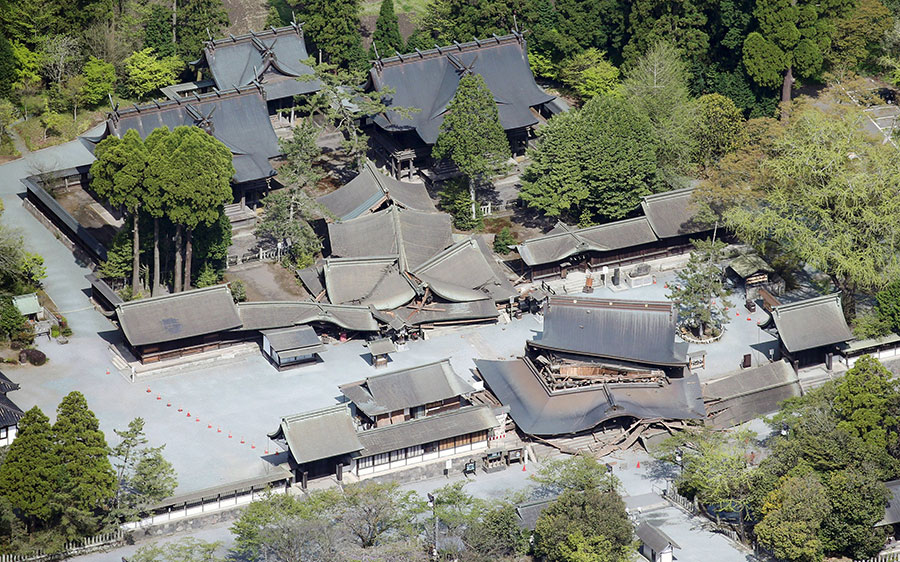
[332, 27]
[387, 37]
[699, 291]
[158, 31]
[26, 475]
[471, 134]
[193, 19]
[85, 477]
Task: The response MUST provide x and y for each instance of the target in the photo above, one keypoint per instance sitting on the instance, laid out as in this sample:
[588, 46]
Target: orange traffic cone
[639, 464]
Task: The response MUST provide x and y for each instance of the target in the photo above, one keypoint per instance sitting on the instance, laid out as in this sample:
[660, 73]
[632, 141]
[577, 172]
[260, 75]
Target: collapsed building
[597, 360]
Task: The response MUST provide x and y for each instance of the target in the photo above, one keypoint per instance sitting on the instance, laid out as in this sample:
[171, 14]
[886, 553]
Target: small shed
[290, 347]
[380, 350]
[751, 269]
[656, 546]
[810, 330]
[28, 306]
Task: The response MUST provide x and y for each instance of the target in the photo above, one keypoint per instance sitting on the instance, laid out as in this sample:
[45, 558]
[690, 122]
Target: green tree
[158, 31]
[445, 21]
[699, 291]
[681, 22]
[300, 152]
[387, 38]
[496, 534]
[867, 401]
[593, 513]
[332, 27]
[29, 21]
[119, 174]
[85, 478]
[8, 73]
[888, 300]
[285, 218]
[857, 502]
[657, 87]
[144, 476]
[590, 74]
[792, 35]
[857, 36]
[822, 192]
[456, 199]
[471, 134]
[99, 81]
[145, 73]
[793, 516]
[503, 240]
[193, 19]
[720, 128]
[592, 164]
[12, 323]
[249, 530]
[27, 472]
[371, 510]
[577, 473]
[183, 550]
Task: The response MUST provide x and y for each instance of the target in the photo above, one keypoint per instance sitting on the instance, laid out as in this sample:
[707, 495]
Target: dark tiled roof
[564, 241]
[10, 414]
[238, 118]
[428, 80]
[270, 315]
[811, 323]
[272, 57]
[406, 388]
[750, 393]
[101, 287]
[320, 434]
[415, 236]
[538, 411]
[453, 423]
[748, 264]
[673, 213]
[634, 331]
[368, 190]
[299, 338]
[178, 316]
[378, 282]
[445, 312]
[652, 536]
[7, 385]
[466, 272]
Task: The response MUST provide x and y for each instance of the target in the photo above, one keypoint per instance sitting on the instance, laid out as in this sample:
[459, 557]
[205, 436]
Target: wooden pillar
[304, 476]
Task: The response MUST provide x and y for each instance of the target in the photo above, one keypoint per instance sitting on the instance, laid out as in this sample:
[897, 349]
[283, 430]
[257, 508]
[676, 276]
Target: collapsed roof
[439, 313]
[273, 58]
[413, 236]
[238, 118]
[406, 388]
[466, 272]
[370, 189]
[427, 82]
[750, 393]
[811, 323]
[378, 282]
[641, 332]
[538, 410]
[270, 315]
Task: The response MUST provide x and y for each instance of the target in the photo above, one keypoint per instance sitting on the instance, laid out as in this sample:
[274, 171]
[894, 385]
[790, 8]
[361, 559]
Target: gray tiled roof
[749, 393]
[428, 80]
[178, 316]
[564, 241]
[652, 536]
[10, 414]
[298, 338]
[406, 388]
[375, 281]
[447, 312]
[673, 213]
[270, 315]
[453, 423]
[811, 323]
[465, 272]
[272, 57]
[7, 385]
[238, 118]
[538, 411]
[635, 331]
[320, 434]
[415, 236]
[369, 189]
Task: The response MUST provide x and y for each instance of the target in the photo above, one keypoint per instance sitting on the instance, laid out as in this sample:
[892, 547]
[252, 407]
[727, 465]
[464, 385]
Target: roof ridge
[442, 415]
[447, 252]
[210, 289]
[417, 367]
[808, 302]
[668, 194]
[263, 34]
[155, 106]
[474, 45]
[315, 413]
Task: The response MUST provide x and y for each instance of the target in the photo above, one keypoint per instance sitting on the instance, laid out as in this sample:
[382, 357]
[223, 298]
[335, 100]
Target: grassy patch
[371, 8]
[7, 149]
[494, 225]
[36, 137]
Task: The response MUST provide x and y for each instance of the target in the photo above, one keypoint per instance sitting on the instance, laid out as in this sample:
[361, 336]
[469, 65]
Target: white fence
[75, 548]
[262, 254]
[886, 557]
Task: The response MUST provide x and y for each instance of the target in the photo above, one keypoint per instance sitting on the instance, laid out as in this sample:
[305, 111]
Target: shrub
[503, 240]
[207, 276]
[238, 291]
[455, 200]
[889, 305]
[871, 325]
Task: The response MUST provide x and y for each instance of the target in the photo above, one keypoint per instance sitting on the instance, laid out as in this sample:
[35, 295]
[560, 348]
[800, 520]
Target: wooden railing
[74, 548]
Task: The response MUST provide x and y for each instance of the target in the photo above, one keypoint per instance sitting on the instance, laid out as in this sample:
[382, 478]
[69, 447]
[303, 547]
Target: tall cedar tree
[446, 21]
[792, 35]
[85, 477]
[471, 134]
[699, 291]
[387, 38]
[195, 180]
[118, 176]
[332, 27]
[193, 19]
[683, 22]
[158, 30]
[592, 513]
[592, 164]
[27, 473]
